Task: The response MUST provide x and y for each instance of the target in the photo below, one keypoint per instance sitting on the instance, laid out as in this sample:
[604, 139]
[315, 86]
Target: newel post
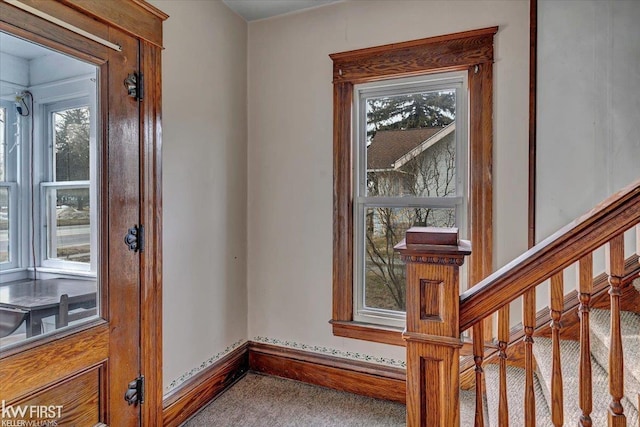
[433, 257]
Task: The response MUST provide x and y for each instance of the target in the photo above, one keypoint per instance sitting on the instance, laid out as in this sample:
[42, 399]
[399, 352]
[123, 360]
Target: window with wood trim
[365, 77]
[409, 150]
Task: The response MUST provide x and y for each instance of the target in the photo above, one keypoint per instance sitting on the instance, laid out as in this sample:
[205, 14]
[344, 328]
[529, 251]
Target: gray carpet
[600, 339]
[515, 397]
[265, 401]
[468, 408]
[570, 351]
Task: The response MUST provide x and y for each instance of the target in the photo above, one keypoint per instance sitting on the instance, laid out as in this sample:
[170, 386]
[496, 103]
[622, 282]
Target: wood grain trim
[136, 17]
[618, 213]
[366, 332]
[151, 217]
[342, 203]
[36, 29]
[70, 16]
[20, 374]
[481, 170]
[192, 395]
[452, 51]
[377, 50]
[152, 9]
[77, 396]
[366, 379]
[533, 83]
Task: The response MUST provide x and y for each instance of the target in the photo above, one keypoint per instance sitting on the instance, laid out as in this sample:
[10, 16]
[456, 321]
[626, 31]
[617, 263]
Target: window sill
[21, 273]
[368, 332]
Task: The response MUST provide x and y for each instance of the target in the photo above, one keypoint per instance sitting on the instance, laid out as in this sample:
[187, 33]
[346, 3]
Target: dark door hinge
[135, 391]
[135, 238]
[135, 85]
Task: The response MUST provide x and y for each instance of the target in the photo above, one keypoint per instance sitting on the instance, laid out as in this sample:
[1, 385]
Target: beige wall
[588, 106]
[205, 184]
[280, 186]
[290, 149]
[587, 141]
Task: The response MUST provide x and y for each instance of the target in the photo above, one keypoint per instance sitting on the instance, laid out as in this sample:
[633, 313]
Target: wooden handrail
[610, 218]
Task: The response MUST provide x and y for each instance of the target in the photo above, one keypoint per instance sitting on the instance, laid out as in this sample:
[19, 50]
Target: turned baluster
[557, 305]
[503, 342]
[585, 288]
[529, 322]
[478, 358]
[638, 252]
[615, 269]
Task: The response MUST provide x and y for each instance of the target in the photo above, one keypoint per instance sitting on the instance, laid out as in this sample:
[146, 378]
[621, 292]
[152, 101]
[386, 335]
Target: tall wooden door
[92, 374]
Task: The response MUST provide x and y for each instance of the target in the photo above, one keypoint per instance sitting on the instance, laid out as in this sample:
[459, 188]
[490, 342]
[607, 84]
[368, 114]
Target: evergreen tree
[416, 110]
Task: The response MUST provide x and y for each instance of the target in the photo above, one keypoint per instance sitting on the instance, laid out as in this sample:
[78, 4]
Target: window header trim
[452, 52]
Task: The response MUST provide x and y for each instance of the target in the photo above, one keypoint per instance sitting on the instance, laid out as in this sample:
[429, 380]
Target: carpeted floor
[265, 401]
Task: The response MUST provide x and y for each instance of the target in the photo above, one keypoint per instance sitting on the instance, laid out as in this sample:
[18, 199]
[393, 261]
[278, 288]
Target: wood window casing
[471, 51]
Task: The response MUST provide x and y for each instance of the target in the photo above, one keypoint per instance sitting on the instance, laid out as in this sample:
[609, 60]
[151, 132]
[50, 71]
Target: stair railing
[436, 316]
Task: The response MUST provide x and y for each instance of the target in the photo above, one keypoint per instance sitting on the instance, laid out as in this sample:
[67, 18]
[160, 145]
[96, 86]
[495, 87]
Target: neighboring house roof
[390, 149]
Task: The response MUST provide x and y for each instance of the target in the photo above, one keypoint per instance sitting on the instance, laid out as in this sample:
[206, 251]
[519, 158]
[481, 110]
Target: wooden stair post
[433, 257]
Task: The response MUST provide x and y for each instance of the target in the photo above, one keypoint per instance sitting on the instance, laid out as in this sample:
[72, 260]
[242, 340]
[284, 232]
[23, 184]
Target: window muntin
[411, 149]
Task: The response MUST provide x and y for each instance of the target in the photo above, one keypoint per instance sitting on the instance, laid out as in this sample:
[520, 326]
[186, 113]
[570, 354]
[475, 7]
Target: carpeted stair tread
[570, 351]
[468, 407]
[630, 326]
[515, 396]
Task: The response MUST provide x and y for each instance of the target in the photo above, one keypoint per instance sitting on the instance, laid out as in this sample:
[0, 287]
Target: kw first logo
[29, 415]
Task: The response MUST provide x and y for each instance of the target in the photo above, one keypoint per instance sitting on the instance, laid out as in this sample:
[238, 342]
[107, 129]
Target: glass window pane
[411, 145]
[4, 225]
[68, 219]
[72, 134]
[384, 284]
[49, 224]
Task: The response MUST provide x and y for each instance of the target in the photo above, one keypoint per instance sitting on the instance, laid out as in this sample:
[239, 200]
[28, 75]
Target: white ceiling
[252, 10]
[21, 48]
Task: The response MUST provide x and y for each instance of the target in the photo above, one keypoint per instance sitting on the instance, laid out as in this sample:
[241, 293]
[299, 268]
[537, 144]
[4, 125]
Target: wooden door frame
[144, 22]
[533, 78]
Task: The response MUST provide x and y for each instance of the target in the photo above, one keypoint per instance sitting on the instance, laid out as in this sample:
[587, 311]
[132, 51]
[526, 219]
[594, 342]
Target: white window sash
[14, 251]
[49, 229]
[457, 81]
